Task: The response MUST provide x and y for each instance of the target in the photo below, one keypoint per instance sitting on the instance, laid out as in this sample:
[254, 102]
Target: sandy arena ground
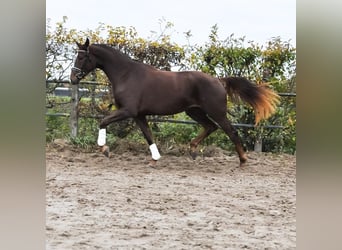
[94, 202]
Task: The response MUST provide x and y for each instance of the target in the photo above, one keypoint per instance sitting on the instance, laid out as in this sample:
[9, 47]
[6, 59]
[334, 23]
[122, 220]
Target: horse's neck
[114, 64]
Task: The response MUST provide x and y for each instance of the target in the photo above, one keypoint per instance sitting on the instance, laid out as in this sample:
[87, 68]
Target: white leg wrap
[101, 140]
[154, 151]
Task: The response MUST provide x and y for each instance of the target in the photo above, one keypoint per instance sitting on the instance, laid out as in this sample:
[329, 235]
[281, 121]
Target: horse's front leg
[117, 115]
[145, 129]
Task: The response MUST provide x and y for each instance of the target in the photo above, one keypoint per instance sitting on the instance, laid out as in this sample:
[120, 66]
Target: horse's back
[166, 92]
[202, 83]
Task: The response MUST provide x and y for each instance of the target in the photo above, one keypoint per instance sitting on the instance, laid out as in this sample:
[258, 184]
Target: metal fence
[77, 91]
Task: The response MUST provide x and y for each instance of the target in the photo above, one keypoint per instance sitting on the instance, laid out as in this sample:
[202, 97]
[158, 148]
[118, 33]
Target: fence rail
[283, 94]
[151, 119]
[242, 125]
[74, 116]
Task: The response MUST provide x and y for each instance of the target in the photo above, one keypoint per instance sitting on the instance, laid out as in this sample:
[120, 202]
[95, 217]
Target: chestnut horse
[140, 90]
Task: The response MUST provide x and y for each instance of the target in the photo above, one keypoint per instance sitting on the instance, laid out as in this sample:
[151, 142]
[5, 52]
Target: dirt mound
[94, 202]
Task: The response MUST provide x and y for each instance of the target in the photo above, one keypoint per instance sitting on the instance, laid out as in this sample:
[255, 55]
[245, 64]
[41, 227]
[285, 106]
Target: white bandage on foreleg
[101, 140]
[154, 152]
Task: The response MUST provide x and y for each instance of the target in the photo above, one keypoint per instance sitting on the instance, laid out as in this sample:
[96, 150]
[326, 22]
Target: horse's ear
[78, 45]
[87, 43]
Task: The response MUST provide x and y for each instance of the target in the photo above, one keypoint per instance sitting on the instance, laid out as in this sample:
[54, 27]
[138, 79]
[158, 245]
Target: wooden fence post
[258, 140]
[74, 111]
[93, 88]
[258, 144]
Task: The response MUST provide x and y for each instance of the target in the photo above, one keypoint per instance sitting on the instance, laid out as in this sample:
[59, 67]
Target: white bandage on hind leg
[101, 140]
[154, 151]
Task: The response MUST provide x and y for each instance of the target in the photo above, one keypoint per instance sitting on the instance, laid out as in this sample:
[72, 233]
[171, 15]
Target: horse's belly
[164, 106]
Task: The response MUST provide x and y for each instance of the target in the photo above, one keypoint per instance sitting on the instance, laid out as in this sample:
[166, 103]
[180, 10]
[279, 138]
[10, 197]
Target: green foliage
[59, 53]
[227, 57]
[171, 133]
[274, 63]
[56, 127]
[85, 142]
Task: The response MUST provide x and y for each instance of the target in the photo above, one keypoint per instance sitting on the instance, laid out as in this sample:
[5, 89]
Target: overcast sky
[257, 20]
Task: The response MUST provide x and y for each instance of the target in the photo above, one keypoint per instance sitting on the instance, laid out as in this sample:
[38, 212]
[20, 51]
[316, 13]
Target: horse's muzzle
[76, 75]
[73, 79]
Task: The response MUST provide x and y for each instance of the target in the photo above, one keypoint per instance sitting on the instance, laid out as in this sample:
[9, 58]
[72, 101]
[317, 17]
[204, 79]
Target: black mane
[115, 51]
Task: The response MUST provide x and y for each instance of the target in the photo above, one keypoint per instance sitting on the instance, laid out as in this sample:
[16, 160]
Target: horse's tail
[260, 97]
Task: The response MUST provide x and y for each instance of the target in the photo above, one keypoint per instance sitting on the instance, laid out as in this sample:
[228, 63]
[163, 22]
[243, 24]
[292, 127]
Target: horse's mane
[122, 55]
[115, 51]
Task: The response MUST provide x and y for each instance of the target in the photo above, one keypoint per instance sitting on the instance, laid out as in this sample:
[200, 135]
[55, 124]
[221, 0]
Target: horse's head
[84, 63]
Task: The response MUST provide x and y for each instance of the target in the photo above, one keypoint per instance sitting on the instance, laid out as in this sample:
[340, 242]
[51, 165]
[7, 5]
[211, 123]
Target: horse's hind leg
[227, 127]
[208, 127]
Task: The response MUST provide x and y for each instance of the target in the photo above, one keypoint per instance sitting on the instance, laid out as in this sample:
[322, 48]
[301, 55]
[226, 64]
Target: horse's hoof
[105, 150]
[152, 163]
[193, 155]
[243, 162]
